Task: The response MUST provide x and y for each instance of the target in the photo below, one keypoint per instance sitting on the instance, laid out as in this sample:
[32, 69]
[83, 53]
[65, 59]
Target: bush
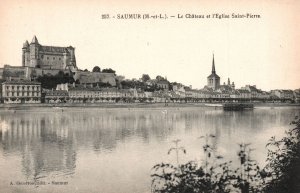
[280, 175]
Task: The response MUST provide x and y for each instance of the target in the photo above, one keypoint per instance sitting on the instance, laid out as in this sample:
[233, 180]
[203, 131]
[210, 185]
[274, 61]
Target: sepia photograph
[149, 96]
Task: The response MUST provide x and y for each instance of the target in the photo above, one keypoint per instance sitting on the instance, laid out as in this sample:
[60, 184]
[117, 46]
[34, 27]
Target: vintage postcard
[133, 96]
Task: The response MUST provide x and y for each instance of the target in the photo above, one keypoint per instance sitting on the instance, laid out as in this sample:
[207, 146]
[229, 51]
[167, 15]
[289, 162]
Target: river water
[113, 150]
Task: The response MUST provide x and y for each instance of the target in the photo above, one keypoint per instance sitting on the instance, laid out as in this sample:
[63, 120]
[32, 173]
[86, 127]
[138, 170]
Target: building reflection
[49, 142]
[43, 149]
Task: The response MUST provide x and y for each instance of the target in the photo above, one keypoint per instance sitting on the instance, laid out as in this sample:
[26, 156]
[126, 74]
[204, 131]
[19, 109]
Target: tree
[109, 70]
[96, 69]
[145, 77]
[86, 70]
[158, 77]
[283, 162]
[50, 81]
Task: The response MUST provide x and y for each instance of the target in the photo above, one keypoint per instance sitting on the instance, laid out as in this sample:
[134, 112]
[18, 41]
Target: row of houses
[24, 91]
[20, 91]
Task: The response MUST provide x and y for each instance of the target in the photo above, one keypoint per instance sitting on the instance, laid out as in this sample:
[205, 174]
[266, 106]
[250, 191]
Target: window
[47, 58]
[59, 58]
[53, 58]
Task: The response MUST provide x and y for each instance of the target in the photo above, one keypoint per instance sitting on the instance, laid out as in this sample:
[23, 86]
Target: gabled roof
[252, 88]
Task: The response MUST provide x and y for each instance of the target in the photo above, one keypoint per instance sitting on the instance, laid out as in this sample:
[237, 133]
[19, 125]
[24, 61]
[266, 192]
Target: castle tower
[213, 80]
[34, 51]
[72, 64]
[25, 52]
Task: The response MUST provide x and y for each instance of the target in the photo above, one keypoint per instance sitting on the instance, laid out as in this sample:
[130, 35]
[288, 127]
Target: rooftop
[21, 82]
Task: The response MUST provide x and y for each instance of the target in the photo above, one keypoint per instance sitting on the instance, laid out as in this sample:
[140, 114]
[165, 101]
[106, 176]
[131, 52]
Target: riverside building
[16, 91]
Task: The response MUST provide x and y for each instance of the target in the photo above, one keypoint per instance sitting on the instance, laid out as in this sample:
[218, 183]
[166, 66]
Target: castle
[48, 57]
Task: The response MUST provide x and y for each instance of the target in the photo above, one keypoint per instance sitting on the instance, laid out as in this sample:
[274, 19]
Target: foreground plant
[280, 175]
[283, 162]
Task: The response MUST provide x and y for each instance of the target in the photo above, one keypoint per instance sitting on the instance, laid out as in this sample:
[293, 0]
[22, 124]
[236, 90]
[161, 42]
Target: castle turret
[72, 63]
[25, 51]
[34, 40]
[34, 50]
[65, 58]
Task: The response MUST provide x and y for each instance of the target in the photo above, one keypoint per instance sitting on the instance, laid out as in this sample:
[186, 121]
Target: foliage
[283, 168]
[102, 85]
[281, 174]
[126, 84]
[50, 81]
[109, 70]
[159, 78]
[96, 69]
[145, 77]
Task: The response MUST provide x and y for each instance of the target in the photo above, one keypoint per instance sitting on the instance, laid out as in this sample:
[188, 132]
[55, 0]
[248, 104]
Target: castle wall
[53, 72]
[16, 72]
[51, 61]
[95, 77]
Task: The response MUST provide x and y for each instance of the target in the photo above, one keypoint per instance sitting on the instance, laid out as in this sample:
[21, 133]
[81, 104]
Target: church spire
[213, 71]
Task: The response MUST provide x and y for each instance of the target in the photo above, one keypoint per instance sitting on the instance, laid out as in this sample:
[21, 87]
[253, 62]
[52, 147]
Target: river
[113, 150]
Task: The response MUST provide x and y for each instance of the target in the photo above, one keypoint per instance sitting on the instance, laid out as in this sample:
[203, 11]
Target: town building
[254, 92]
[21, 91]
[56, 96]
[48, 57]
[244, 94]
[213, 80]
[283, 94]
[97, 95]
[163, 84]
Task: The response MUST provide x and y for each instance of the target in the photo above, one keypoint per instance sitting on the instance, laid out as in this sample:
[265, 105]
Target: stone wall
[95, 77]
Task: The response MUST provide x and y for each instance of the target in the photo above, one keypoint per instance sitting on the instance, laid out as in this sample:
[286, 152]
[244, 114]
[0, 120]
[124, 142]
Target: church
[213, 80]
[48, 57]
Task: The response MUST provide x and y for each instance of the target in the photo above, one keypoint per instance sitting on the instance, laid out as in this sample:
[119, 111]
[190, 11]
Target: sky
[256, 51]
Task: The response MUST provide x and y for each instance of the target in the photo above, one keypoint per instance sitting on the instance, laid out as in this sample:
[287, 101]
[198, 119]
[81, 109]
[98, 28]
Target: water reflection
[50, 142]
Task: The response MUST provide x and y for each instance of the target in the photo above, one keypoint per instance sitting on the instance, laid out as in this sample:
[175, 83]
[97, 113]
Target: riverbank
[131, 105]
